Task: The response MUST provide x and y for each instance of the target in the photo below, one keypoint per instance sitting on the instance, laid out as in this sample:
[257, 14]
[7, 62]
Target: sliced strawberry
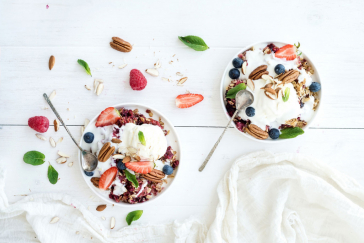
[108, 117]
[143, 167]
[107, 178]
[188, 100]
[288, 52]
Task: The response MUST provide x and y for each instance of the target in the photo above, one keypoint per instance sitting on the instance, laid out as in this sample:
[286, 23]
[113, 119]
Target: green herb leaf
[141, 138]
[52, 174]
[298, 45]
[85, 66]
[291, 132]
[34, 158]
[133, 216]
[131, 178]
[285, 97]
[194, 42]
[232, 92]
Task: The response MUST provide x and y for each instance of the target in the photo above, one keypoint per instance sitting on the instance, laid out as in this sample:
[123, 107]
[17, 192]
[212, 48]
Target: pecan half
[105, 152]
[289, 76]
[120, 45]
[95, 181]
[154, 176]
[256, 132]
[259, 72]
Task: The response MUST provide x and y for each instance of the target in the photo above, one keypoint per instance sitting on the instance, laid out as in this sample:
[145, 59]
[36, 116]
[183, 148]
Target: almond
[100, 88]
[59, 140]
[250, 84]
[96, 83]
[243, 67]
[87, 87]
[63, 154]
[52, 61]
[56, 125]
[112, 223]
[41, 137]
[101, 207]
[152, 71]
[126, 159]
[118, 156]
[52, 142]
[270, 96]
[267, 86]
[122, 66]
[182, 81]
[54, 220]
[116, 140]
[52, 95]
[61, 160]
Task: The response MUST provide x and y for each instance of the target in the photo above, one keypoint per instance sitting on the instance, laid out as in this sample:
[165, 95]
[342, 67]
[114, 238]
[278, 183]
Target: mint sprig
[232, 92]
[285, 95]
[85, 66]
[133, 216]
[130, 177]
[291, 132]
[34, 158]
[141, 138]
[52, 174]
[195, 42]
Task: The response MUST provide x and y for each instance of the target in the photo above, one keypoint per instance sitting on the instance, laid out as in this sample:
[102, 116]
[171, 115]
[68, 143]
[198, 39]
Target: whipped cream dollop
[274, 112]
[156, 142]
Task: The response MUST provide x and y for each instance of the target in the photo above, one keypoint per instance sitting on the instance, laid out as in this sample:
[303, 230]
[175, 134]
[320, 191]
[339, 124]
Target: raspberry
[137, 80]
[39, 123]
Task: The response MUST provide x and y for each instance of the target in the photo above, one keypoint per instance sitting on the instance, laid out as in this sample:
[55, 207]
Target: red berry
[288, 52]
[188, 100]
[108, 117]
[39, 123]
[137, 80]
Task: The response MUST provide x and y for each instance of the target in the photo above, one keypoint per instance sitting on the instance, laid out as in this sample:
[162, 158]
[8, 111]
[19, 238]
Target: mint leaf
[291, 132]
[52, 174]
[285, 97]
[85, 66]
[232, 92]
[298, 45]
[131, 178]
[194, 42]
[34, 158]
[141, 138]
[133, 216]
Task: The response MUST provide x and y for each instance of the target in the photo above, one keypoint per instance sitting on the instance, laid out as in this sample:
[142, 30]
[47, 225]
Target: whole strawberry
[137, 80]
[39, 123]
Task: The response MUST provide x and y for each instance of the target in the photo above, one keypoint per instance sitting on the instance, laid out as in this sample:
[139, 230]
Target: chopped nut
[54, 220]
[87, 87]
[122, 66]
[100, 88]
[41, 137]
[182, 81]
[52, 142]
[152, 71]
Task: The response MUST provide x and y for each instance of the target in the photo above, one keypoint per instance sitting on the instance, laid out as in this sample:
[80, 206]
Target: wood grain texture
[330, 32]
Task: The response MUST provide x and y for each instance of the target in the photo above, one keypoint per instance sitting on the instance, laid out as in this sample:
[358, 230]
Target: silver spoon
[244, 98]
[90, 161]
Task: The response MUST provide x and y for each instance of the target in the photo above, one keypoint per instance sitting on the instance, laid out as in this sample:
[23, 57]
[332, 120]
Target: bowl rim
[165, 120]
[223, 89]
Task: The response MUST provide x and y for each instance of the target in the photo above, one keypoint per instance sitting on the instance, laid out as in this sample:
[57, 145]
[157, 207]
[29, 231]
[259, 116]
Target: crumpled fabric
[264, 197]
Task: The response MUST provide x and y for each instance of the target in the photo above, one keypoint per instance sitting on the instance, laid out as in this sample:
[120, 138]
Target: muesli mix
[135, 161]
[285, 95]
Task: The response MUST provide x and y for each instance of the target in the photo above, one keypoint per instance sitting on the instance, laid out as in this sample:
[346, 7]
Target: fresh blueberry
[234, 73]
[238, 62]
[167, 169]
[91, 173]
[250, 111]
[121, 166]
[279, 69]
[88, 137]
[274, 133]
[315, 87]
[302, 104]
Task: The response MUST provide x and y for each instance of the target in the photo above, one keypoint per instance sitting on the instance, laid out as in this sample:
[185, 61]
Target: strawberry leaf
[195, 42]
[85, 66]
[141, 138]
[232, 92]
[131, 178]
[34, 158]
[133, 216]
[52, 174]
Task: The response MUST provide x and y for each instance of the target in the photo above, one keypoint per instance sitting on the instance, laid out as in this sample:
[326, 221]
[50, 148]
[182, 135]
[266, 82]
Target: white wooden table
[331, 32]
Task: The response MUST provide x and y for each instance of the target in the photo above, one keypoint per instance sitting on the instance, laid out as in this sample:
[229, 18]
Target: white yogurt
[156, 142]
[119, 188]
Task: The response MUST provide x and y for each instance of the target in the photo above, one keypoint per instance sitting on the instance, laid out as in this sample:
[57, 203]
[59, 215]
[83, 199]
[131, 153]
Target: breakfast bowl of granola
[138, 154]
[286, 88]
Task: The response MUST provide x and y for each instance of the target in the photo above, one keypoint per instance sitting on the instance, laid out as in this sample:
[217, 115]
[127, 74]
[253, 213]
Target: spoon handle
[60, 119]
[217, 143]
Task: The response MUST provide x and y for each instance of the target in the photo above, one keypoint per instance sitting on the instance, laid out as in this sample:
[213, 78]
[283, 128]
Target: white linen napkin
[264, 197]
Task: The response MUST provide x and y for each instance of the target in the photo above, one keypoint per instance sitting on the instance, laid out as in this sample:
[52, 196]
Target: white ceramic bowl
[225, 81]
[172, 140]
